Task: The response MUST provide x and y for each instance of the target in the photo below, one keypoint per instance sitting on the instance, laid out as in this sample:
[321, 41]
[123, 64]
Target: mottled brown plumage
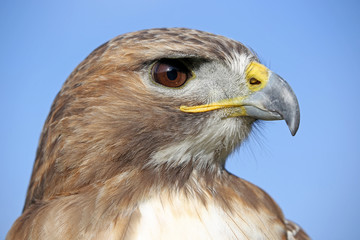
[115, 147]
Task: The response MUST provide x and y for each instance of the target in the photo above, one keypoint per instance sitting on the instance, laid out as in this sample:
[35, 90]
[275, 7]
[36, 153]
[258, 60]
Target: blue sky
[314, 45]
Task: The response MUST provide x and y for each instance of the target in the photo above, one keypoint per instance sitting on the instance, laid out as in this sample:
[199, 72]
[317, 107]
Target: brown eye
[170, 73]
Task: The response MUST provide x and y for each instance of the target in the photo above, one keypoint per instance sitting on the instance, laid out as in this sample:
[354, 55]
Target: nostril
[254, 81]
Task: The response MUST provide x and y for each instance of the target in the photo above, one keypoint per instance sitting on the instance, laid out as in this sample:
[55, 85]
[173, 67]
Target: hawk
[135, 143]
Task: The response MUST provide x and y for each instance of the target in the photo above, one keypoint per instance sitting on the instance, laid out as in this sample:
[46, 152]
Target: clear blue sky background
[314, 45]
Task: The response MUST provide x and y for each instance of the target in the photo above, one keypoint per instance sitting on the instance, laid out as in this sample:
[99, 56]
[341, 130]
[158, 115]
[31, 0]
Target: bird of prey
[135, 143]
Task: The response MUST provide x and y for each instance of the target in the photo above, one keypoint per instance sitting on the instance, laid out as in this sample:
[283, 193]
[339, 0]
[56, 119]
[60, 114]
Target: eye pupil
[172, 74]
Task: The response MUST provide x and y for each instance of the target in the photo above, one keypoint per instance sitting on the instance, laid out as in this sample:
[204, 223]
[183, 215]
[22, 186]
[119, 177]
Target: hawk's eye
[170, 73]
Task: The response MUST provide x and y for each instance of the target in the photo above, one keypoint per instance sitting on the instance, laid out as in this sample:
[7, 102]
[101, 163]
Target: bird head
[156, 99]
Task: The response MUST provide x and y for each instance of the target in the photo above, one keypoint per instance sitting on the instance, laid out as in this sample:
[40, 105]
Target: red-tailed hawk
[135, 144]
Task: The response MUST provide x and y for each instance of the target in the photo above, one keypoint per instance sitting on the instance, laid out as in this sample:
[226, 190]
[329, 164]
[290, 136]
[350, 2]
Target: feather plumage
[118, 160]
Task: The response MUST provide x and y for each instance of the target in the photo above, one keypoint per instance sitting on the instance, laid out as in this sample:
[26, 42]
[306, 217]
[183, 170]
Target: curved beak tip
[293, 120]
[293, 127]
